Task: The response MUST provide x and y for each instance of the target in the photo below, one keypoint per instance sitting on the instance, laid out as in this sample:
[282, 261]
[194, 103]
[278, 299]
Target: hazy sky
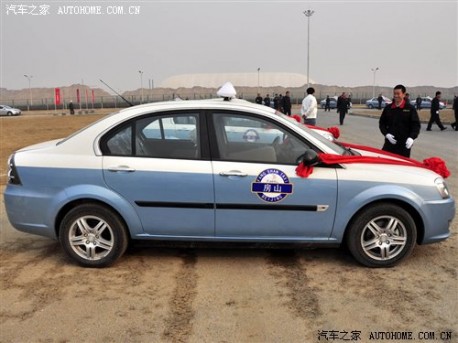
[412, 42]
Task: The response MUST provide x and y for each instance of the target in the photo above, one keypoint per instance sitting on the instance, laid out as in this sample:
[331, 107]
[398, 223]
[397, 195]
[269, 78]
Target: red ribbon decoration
[435, 164]
[333, 130]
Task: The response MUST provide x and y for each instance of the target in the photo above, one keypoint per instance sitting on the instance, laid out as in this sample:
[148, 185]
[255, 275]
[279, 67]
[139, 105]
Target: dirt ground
[207, 294]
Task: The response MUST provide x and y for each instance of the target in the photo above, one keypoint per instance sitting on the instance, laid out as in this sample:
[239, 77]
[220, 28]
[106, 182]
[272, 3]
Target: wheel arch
[86, 201]
[419, 224]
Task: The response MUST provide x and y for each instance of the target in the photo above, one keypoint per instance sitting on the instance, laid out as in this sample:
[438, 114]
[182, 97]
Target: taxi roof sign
[227, 91]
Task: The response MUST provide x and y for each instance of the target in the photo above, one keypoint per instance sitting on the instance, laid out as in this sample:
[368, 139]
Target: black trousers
[455, 124]
[398, 148]
[342, 117]
[435, 119]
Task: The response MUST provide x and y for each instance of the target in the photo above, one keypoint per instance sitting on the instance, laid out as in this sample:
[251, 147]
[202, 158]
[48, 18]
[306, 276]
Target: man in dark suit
[286, 104]
[455, 109]
[435, 106]
[399, 123]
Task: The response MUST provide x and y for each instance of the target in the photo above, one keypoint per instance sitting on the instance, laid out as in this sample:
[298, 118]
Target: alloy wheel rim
[384, 238]
[91, 238]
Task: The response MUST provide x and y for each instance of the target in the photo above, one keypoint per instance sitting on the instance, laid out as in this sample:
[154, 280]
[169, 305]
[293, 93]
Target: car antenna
[130, 104]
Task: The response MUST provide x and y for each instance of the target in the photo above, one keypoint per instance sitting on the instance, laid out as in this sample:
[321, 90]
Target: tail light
[13, 176]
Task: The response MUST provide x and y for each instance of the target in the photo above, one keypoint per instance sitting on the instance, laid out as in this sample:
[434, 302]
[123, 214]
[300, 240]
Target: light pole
[259, 69]
[374, 70]
[29, 77]
[308, 14]
[141, 82]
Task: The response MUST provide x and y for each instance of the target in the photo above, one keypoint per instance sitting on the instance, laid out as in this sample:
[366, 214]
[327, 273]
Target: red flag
[78, 95]
[57, 96]
[93, 97]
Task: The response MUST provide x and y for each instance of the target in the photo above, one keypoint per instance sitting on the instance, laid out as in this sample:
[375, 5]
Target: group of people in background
[399, 122]
[280, 103]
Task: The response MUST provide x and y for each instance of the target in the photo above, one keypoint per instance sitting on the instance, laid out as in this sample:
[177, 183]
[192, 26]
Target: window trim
[214, 140]
[201, 128]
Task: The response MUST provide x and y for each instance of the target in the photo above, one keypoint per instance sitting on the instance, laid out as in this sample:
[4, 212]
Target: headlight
[442, 188]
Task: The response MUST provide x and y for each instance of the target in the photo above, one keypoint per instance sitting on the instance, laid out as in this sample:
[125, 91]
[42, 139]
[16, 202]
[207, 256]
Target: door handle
[233, 173]
[124, 169]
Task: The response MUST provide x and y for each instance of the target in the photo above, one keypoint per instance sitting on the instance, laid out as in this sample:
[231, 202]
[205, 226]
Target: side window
[251, 139]
[157, 136]
[171, 136]
[120, 143]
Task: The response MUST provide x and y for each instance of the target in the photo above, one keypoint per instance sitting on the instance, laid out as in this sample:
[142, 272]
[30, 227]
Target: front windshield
[339, 150]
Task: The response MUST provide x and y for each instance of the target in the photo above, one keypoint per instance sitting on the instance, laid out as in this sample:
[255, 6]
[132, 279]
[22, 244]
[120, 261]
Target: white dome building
[237, 79]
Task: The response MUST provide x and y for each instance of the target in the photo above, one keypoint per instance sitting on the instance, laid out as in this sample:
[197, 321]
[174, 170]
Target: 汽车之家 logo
[272, 185]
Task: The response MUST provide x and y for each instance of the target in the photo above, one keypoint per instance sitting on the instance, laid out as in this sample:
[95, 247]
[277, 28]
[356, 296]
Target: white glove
[390, 138]
[409, 143]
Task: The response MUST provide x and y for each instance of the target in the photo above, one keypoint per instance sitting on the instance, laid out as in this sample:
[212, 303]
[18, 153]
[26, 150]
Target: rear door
[160, 164]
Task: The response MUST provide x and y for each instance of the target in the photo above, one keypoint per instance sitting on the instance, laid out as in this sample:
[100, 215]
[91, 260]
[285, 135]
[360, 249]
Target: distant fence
[118, 102]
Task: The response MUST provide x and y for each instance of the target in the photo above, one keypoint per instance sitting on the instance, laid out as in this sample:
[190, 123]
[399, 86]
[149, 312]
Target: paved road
[230, 295]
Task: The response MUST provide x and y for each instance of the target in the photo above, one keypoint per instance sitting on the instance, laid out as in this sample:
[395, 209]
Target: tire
[9, 114]
[93, 236]
[371, 107]
[382, 236]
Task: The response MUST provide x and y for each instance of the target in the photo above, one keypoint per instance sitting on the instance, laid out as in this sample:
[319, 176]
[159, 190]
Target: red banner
[93, 97]
[57, 96]
[78, 95]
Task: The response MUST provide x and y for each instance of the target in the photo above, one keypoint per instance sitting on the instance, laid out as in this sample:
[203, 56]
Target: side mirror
[309, 158]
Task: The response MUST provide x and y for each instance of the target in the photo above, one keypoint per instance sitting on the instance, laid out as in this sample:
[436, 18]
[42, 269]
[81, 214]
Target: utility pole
[308, 14]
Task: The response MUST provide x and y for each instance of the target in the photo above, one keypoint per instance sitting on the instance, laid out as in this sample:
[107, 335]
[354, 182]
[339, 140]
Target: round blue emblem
[272, 185]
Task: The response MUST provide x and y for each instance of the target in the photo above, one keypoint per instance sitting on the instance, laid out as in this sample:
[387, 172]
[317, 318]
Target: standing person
[309, 107]
[280, 103]
[455, 109]
[327, 107]
[435, 113]
[342, 107]
[71, 107]
[286, 104]
[407, 98]
[418, 103]
[380, 99]
[267, 100]
[276, 100]
[258, 99]
[399, 123]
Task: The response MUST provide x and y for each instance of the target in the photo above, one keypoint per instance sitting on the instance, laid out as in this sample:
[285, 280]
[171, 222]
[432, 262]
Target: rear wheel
[10, 113]
[371, 106]
[93, 236]
[382, 236]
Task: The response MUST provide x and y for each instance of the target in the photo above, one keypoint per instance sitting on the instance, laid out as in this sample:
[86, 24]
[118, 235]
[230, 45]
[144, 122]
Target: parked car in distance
[332, 103]
[6, 110]
[426, 103]
[219, 170]
[373, 103]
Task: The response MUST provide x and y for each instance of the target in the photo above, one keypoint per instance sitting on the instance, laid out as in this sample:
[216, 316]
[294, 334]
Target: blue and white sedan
[217, 170]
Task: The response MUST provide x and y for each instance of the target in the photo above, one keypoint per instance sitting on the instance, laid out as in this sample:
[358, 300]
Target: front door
[257, 193]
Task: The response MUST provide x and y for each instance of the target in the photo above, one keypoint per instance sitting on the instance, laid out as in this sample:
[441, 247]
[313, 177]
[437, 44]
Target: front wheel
[382, 236]
[93, 236]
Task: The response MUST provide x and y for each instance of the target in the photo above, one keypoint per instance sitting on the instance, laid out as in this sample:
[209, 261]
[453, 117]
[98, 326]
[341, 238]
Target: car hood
[392, 172]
